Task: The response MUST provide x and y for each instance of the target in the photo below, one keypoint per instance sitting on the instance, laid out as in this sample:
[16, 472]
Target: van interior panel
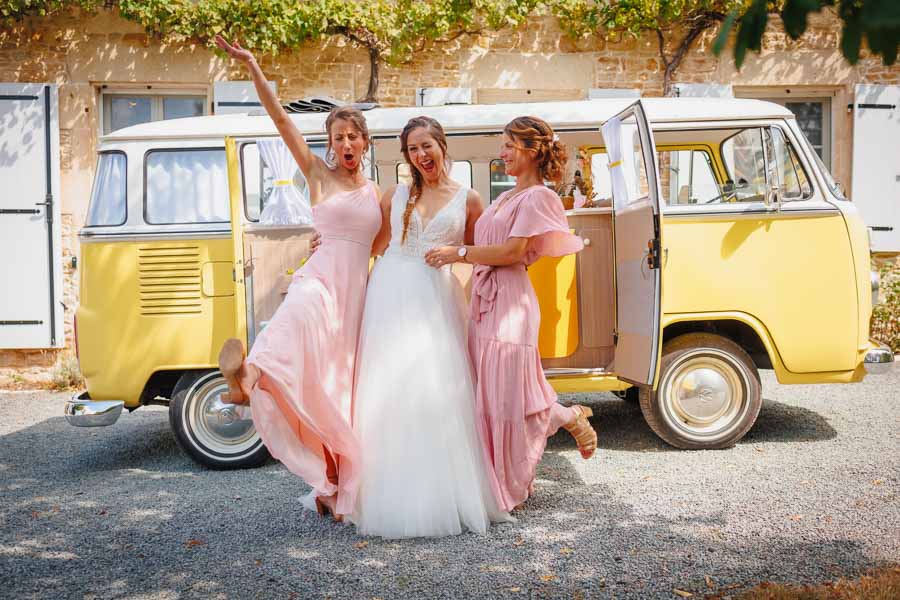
[271, 256]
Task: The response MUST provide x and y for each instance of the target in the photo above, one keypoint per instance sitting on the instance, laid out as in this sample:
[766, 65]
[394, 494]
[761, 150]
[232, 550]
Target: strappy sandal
[231, 364]
[325, 508]
[581, 430]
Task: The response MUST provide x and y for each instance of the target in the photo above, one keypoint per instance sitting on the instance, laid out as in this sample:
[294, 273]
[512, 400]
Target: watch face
[462, 251]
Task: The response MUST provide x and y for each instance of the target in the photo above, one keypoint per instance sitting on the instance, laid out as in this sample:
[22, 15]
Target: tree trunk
[374, 67]
[699, 25]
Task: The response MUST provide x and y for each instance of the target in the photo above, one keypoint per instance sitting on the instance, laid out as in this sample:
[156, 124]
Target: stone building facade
[94, 58]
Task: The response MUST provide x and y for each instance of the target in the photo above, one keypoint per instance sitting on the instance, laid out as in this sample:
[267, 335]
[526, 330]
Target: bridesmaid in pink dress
[299, 375]
[516, 407]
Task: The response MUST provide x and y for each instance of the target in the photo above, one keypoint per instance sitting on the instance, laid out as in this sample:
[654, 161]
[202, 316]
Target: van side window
[109, 205]
[257, 181]
[500, 181]
[793, 181]
[744, 155]
[186, 186]
[687, 177]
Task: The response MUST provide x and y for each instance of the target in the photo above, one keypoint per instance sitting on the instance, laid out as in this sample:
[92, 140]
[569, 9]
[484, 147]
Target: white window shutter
[704, 90]
[236, 97]
[600, 93]
[442, 96]
[876, 169]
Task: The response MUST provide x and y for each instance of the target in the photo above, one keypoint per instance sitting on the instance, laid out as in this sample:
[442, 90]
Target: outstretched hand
[234, 51]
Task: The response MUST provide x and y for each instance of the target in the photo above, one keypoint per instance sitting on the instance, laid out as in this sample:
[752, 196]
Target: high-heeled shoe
[325, 506]
[231, 364]
[581, 430]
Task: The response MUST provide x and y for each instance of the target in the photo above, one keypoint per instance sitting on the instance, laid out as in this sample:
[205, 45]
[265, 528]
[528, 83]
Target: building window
[814, 118]
[126, 107]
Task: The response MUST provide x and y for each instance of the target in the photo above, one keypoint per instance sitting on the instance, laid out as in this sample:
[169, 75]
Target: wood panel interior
[596, 293]
[271, 255]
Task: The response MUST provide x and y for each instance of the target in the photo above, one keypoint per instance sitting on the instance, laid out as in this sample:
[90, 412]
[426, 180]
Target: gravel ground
[811, 494]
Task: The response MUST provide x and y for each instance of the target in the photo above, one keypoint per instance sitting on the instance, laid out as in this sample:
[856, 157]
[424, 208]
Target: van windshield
[108, 205]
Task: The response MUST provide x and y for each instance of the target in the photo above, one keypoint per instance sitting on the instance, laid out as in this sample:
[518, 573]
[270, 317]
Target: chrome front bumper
[879, 360]
[81, 411]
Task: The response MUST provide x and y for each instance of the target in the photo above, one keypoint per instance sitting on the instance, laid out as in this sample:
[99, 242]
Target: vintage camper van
[723, 246]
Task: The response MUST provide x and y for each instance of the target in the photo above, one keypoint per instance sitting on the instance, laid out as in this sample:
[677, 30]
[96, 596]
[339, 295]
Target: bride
[423, 472]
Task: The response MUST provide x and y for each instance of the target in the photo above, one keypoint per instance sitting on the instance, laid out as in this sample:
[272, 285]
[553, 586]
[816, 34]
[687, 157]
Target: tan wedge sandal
[581, 430]
[231, 364]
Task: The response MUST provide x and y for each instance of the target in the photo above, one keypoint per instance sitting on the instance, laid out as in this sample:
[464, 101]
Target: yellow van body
[791, 288]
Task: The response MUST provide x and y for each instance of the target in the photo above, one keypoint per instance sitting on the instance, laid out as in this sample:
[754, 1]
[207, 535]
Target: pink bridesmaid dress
[516, 408]
[306, 355]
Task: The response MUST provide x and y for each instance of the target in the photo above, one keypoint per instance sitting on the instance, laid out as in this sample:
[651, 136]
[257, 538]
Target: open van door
[638, 242]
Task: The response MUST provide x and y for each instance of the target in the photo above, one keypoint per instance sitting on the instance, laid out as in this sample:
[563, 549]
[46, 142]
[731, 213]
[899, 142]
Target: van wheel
[209, 429]
[709, 393]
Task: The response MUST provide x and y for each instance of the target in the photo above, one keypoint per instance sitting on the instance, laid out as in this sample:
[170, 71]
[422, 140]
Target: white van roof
[463, 118]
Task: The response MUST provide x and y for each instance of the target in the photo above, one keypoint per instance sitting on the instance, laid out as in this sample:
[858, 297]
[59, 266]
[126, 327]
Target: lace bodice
[446, 228]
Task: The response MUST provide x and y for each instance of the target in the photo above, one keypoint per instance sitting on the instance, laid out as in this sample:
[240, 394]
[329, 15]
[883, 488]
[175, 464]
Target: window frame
[150, 151]
[770, 166]
[94, 183]
[709, 156]
[156, 106]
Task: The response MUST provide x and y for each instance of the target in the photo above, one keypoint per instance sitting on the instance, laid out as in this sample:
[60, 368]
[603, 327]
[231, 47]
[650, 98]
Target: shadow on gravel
[779, 422]
[140, 441]
[621, 426]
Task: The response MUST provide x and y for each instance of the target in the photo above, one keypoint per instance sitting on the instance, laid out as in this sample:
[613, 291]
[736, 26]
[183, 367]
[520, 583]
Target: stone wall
[81, 53]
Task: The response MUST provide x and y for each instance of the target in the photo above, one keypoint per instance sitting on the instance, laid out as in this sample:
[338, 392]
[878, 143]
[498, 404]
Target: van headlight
[876, 286]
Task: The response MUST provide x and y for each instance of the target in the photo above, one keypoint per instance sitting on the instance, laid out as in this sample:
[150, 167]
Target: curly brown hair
[436, 131]
[535, 134]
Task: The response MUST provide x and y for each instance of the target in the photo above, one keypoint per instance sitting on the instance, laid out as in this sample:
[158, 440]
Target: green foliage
[581, 17]
[885, 326]
[877, 22]
[17, 9]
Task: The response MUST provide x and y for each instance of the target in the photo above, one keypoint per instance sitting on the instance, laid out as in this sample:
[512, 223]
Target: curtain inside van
[186, 186]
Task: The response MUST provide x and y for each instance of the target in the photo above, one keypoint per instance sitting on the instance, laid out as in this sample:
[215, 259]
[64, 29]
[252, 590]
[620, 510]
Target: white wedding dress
[423, 470]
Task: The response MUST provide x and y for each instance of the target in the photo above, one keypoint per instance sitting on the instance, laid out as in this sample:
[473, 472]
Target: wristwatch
[462, 251]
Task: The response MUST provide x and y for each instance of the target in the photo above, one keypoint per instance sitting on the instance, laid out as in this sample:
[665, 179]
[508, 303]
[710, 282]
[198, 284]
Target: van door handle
[19, 211]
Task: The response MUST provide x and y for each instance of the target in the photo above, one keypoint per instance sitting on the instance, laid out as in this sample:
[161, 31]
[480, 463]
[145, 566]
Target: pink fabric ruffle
[484, 290]
[512, 401]
[541, 217]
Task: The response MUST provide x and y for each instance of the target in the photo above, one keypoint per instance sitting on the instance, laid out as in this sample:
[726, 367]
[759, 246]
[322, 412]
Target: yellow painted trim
[593, 383]
[236, 199]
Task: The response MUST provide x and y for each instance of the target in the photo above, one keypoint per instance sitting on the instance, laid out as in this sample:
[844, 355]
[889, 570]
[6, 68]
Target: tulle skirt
[423, 470]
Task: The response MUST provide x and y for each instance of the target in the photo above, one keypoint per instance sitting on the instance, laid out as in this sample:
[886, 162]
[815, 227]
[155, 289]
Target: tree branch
[699, 24]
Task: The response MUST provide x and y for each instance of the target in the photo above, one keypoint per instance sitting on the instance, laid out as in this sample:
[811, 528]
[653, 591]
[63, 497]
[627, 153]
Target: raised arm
[306, 159]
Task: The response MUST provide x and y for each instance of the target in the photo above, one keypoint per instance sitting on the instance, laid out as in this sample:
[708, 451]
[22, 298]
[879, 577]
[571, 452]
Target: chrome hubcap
[216, 423]
[704, 395]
